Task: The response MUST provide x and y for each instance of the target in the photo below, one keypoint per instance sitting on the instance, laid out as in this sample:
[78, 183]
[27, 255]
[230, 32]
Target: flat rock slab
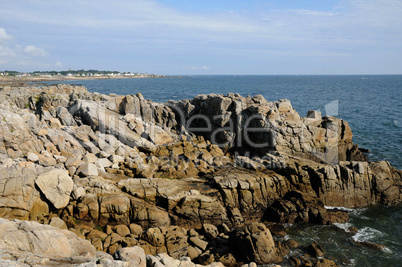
[56, 185]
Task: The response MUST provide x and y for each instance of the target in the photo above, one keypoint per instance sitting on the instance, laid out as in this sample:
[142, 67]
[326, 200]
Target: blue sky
[203, 37]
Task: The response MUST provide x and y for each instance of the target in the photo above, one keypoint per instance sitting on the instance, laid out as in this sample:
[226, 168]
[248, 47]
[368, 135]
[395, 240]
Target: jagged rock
[158, 136]
[88, 169]
[131, 105]
[90, 158]
[313, 114]
[196, 241]
[65, 117]
[108, 122]
[315, 250]
[287, 174]
[105, 163]
[56, 185]
[300, 207]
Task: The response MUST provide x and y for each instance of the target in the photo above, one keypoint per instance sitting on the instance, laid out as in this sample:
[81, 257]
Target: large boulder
[256, 126]
[135, 255]
[42, 240]
[56, 185]
[254, 243]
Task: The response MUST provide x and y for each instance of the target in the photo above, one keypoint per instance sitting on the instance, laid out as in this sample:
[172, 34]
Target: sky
[203, 37]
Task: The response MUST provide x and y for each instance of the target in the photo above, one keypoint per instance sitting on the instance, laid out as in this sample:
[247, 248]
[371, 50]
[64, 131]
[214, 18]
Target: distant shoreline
[13, 79]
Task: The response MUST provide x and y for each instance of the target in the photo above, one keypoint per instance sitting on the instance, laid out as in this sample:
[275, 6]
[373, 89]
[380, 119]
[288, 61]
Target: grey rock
[134, 255]
[56, 185]
[88, 169]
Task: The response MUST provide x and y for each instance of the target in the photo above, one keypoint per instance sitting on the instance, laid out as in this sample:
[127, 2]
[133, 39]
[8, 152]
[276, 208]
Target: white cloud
[12, 57]
[4, 36]
[58, 64]
[34, 51]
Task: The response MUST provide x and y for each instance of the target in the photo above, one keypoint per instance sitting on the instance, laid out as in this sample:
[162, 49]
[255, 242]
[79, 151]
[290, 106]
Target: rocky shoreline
[107, 180]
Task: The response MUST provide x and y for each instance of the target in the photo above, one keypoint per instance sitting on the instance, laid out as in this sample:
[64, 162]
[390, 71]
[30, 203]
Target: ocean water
[371, 104]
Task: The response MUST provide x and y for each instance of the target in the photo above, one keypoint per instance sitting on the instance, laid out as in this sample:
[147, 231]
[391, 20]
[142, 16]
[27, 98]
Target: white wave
[358, 213]
[343, 226]
[339, 208]
[367, 234]
[387, 250]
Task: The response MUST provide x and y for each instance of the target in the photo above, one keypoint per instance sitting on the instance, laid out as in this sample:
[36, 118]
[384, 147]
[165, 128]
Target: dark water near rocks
[372, 105]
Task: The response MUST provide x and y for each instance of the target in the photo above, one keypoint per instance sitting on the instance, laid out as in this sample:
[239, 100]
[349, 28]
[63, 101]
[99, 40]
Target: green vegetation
[74, 72]
[100, 228]
[10, 72]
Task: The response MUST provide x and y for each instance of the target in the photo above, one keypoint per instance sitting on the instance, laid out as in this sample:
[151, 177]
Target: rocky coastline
[88, 179]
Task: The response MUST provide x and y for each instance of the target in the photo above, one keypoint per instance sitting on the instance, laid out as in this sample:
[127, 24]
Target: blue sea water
[371, 104]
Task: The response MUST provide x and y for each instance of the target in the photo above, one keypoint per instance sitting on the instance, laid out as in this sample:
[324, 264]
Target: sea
[371, 104]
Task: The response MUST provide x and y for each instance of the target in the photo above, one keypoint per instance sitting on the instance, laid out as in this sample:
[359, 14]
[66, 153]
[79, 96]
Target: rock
[131, 105]
[108, 122]
[291, 244]
[192, 252]
[47, 161]
[88, 169]
[65, 117]
[57, 222]
[297, 206]
[196, 241]
[105, 163]
[315, 250]
[32, 157]
[116, 159]
[158, 136]
[313, 114]
[254, 243]
[114, 208]
[121, 230]
[135, 255]
[210, 231]
[325, 263]
[42, 240]
[56, 185]
[153, 236]
[135, 229]
[90, 158]
[369, 244]
[176, 242]
[77, 192]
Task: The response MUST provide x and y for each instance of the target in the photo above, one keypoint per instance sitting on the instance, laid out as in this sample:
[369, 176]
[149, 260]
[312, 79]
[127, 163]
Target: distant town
[78, 74]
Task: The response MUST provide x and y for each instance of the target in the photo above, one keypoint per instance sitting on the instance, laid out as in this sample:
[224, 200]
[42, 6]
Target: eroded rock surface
[183, 179]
